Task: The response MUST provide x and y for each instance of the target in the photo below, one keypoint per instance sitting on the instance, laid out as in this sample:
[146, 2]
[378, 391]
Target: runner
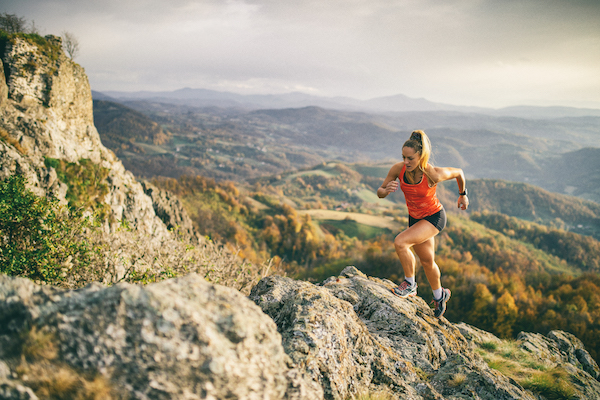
[418, 180]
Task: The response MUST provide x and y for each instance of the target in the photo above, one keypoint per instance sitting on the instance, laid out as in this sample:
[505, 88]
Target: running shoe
[405, 289]
[440, 304]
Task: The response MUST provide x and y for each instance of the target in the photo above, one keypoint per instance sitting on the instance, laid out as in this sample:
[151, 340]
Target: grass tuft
[512, 361]
[379, 394]
[489, 345]
[553, 384]
[38, 345]
[457, 380]
[5, 137]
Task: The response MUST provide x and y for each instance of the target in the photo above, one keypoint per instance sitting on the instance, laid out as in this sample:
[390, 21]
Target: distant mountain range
[396, 103]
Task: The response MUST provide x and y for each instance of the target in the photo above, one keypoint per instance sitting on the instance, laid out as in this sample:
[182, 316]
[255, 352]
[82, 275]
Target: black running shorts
[438, 220]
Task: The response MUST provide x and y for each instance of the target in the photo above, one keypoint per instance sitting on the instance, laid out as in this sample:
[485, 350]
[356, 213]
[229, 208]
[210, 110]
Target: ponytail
[420, 143]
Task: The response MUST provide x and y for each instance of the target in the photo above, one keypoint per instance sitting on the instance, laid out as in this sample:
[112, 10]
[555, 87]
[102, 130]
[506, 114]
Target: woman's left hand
[463, 202]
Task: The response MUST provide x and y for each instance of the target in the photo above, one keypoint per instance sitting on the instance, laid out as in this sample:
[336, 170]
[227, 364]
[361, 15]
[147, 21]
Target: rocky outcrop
[352, 332]
[169, 209]
[187, 339]
[178, 339]
[46, 107]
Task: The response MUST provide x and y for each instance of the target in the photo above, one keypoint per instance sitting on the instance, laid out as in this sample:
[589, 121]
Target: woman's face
[411, 158]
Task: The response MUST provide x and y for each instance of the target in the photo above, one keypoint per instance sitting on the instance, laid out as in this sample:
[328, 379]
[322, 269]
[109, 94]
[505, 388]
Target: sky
[486, 53]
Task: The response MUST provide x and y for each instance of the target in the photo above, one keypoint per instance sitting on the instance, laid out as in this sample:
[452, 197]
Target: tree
[506, 315]
[70, 44]
[12, 23]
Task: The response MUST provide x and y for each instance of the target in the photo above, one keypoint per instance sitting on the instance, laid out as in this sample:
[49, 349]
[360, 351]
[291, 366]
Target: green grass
[365, 219]
[369, 196]
[553, 383]
[310, 173]
[374, 171]
[151, 149]
[352, 228]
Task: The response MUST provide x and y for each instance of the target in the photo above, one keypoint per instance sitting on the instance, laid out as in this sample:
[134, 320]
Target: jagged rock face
[169, 209]
[46, 105]
[352, 332]
[184, 338]
[178, 339]
[53, 109]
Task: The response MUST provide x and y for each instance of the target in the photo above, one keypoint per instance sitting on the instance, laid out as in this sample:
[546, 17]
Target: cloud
[478, 52]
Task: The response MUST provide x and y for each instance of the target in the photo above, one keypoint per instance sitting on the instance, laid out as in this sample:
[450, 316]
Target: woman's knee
[401, 244]
[428, 264]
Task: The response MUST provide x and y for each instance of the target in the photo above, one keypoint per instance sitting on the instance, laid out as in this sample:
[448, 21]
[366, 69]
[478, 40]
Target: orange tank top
[421, 199]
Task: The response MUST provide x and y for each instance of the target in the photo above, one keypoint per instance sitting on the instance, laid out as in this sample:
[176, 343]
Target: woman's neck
[415, 175]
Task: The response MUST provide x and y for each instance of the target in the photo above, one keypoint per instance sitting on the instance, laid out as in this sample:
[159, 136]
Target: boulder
[179, 339]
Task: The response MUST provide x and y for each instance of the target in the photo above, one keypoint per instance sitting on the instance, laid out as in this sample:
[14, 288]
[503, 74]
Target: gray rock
[475, 335]
[10, 390]
[563, 348]
[184, 338]
[3, 87]
[352, 332]
[177, 339]
[4, 371]
[170, 210]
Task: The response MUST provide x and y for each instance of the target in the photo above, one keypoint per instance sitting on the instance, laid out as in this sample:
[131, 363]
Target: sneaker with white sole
[405, 289]
[440, 304]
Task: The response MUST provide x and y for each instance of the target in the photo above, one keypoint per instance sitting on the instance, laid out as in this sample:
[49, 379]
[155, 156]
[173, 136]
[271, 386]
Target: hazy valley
[559, 154]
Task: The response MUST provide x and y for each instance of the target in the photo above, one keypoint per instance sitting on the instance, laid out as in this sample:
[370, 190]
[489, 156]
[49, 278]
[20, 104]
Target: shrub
[53, 244]
[131, 256]
[39, 238]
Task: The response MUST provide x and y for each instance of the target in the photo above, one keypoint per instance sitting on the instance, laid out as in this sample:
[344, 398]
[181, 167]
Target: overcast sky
[490, 53]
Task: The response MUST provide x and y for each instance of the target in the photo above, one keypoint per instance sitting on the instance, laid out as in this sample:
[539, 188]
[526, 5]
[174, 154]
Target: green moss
[87, 183]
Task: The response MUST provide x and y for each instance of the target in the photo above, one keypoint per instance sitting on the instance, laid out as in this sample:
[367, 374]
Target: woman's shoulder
[398, 166]
[395, 170]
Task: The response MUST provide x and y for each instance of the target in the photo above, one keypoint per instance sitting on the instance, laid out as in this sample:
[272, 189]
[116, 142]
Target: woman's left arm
[439, 174]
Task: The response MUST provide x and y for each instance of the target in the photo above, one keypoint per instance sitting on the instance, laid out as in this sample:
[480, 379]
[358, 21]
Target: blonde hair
[420, 143]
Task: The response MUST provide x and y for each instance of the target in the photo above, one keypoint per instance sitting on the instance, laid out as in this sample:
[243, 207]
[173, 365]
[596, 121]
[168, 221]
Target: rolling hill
[557, 154]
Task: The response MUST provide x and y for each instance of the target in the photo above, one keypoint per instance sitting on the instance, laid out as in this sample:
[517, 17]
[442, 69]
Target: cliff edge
[46, 112]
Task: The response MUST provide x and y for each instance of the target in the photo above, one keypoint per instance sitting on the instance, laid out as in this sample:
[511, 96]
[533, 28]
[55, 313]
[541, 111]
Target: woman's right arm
[390, 184]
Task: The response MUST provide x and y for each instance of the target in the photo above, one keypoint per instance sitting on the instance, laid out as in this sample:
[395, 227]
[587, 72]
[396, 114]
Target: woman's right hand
[390, 184]
[391, 187]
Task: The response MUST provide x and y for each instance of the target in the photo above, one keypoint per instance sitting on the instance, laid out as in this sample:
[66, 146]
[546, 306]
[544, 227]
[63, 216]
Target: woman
[426, 215]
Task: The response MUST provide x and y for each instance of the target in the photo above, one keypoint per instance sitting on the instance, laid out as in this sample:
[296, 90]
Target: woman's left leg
[426, 253]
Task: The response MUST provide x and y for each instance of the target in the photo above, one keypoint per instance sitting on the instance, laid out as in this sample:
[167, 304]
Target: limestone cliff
[46, 111]
[187, 339]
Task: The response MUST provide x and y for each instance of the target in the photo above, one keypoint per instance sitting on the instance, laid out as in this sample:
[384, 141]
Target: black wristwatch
[463, 193]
